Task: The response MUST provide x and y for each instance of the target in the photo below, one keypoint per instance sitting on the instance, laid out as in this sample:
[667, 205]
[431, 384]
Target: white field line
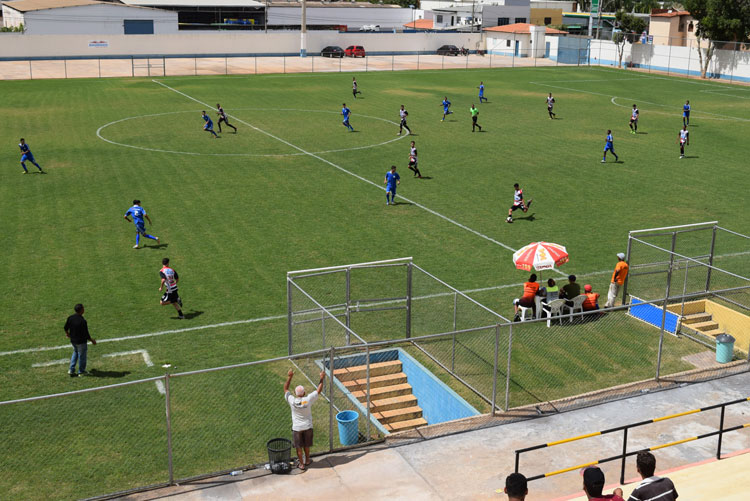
[53, 362]
[328, 162]
[711, 116]
[157, 150]
[146, 360]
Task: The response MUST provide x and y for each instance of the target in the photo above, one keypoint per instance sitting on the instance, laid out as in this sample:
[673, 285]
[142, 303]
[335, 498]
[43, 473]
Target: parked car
[370, 27]
[448, 50]
[355, 51]
[332, 51]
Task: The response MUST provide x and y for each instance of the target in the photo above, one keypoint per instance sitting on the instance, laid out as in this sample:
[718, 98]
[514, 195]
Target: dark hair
[204, 111]
[136, 202]
[78, 308]
[22, 139]
[165, 261]
[551, 282]
[515, 484]
[572, 278]
[646, 463]
[593, 480]
[515, 185]
[532, 278]
[609, 131]
[393, 167]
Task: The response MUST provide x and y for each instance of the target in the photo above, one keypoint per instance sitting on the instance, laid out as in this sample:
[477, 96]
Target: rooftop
[31, 5]
[420, 24]
[522, 28]
[671, 13]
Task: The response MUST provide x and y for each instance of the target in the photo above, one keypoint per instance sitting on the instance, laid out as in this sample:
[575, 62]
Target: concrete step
[705, 326]
[405, 425]
[375, 382]
[696, 318]
[360, 371]
[714, 332]
[395, 390]
[398, 415]
[387, 404]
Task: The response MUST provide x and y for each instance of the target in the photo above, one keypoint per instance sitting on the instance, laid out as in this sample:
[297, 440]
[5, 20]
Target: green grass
[237, 213]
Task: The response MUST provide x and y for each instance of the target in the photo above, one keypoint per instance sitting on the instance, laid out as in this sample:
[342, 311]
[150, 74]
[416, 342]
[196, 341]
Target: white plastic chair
[553, 308]
[577, 305]
[523, 310]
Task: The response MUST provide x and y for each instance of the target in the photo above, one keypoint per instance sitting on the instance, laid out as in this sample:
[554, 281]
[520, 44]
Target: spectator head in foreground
[645, 463]
[515, 487]
[651, 487]
[587, 288]
[593, 485]
[571, 278]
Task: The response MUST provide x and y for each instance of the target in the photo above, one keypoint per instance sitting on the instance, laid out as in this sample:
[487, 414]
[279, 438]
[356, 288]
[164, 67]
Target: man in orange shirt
[618, 278]
[530, 290]
[592, 299]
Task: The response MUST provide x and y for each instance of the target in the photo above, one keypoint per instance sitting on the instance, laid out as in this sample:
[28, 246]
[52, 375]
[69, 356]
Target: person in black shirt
[77, 330]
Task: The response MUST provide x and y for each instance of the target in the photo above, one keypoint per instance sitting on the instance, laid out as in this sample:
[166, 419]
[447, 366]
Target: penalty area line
[328, 162]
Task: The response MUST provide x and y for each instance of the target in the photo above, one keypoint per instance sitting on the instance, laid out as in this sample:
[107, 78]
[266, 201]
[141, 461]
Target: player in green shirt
[474, 112]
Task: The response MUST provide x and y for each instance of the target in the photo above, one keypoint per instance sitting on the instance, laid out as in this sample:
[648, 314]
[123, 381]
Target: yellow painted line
[577, 467]
[580, 437]
[670, 444]
[686, 413]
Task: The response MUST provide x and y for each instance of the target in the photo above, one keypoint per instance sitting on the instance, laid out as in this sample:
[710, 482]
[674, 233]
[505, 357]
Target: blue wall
[652, 314]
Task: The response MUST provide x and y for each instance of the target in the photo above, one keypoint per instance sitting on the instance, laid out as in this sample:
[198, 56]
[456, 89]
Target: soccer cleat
[70, 373]
[682, 156]
[604, 161]
[528, 205]
[84, 373]
[25, 172]
[157, 240]
[136, 246]
[181, 317]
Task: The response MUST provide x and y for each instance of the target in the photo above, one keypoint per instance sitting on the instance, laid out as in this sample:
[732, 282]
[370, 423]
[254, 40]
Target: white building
[520, 40]
[86, 17]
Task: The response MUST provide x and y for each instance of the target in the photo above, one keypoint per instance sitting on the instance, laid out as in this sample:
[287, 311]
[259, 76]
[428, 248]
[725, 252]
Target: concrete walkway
[472, 465]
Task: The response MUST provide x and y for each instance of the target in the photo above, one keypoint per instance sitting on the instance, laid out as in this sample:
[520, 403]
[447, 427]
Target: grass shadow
[192, 315]
[112, 374]
[156, 247]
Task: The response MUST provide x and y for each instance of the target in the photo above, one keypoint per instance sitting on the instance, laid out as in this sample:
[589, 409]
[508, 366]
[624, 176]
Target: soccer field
[293, 189]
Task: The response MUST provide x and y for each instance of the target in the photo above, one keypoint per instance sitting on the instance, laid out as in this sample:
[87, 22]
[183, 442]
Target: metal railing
[625, 428]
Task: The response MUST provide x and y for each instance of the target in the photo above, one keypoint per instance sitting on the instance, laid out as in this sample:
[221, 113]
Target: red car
[354, 51]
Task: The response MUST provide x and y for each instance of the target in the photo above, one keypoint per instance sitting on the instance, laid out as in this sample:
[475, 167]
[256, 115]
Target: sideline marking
[713, 116]
[301, 150]
[146, 360]
[53, 362]
[144, 148]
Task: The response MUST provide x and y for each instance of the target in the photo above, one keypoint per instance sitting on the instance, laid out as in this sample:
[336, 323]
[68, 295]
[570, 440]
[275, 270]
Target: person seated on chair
[530, 290]
[551, 292]
[570, 290]
[592, 299]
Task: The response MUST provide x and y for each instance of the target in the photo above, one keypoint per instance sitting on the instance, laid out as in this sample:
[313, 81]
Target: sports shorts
[302, 438]
[521, 206]
[170, 297]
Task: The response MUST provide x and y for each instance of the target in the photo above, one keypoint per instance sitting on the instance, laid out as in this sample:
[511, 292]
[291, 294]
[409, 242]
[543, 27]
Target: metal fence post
[65, 65]
[507, 372]
[289, 315]
[367, 58]
[417, 60]
[164, 66]
[690, 53]
[664, 307]
[393, 62]
[100, 67]
[669, 58]
[195, 65]
[711, 259]
[331, 367]
[312, 64]
[284, 59]
[513, 52]
[624, 457]
[323, 326]
[340, 59]
[721, 432]
[348, 300]
[367, 355]
[453, 349]
[226, 65]
[467, 61]
[132, 67]
[442, 62]
[31, 73]
[255, 62]
[408, 299]
[494, 373]
[627, 260]
[168, 410]
[734, 55]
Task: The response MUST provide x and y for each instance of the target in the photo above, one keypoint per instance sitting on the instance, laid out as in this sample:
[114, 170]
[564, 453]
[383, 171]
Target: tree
[630, 27]
[718, 20]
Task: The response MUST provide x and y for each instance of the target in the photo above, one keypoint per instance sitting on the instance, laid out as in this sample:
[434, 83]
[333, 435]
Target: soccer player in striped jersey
[609, 146]
[223, 118]
[346, 112]
[138, 214]
[355, 90]
[414, 161]
[683, 137]
[634, 120]
[27, 155]
[169, 279]
[402, 113]
[518, 203]
[550, 105]
[209, 125]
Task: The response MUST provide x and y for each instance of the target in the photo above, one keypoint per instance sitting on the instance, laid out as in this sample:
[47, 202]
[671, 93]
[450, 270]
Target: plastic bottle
[236, 472]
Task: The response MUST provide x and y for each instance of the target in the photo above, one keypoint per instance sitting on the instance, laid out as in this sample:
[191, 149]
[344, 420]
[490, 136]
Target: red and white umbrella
[540, 256]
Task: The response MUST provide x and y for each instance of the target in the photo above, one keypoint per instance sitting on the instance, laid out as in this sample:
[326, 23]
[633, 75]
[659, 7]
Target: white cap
[300, 391]
[621, 255]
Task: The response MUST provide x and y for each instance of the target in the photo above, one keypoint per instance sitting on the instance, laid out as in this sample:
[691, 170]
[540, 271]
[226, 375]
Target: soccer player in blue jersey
[481, 93]
[209, 125]
[609, 146]
[27, 155]
[392, 180]
[346, 112]
[686, 113]
[138, 214]
[446, 108]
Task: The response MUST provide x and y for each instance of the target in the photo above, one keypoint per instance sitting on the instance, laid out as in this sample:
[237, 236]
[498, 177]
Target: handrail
[624, 428]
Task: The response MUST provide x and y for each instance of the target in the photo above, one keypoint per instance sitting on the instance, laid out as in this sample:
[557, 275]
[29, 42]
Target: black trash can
[280, 455]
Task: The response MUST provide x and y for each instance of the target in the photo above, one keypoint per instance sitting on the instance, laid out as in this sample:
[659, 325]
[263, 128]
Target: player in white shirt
[302, 421]
[518, 203]
[402, 113]
[550, 105]
[634, 120]
[414, 161]
[684, 139]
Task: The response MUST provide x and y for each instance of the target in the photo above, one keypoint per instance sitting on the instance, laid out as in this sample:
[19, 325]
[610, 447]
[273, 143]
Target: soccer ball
[509, 219]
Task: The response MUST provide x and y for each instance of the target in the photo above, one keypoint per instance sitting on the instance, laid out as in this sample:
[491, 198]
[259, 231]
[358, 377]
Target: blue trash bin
[348, 427]
[724, 348]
